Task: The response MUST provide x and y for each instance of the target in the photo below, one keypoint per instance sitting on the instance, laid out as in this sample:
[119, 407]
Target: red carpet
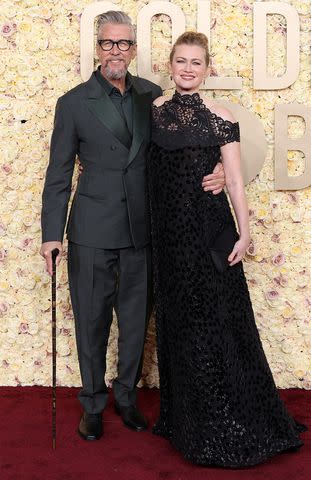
[26, 447]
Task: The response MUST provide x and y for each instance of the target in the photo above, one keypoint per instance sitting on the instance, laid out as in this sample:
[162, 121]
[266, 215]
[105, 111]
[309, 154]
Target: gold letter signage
[253, 147]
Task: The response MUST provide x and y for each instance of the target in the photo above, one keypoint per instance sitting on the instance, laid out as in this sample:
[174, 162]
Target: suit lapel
[141, 120]
[103, 108]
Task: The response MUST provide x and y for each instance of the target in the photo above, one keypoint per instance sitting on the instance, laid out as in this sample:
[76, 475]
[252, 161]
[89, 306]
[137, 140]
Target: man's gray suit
[108, 229]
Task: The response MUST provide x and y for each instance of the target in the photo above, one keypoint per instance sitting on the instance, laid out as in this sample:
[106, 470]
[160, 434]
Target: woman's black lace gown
[219, 403]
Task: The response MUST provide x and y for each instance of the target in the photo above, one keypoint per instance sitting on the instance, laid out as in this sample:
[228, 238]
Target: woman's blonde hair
[192, 38]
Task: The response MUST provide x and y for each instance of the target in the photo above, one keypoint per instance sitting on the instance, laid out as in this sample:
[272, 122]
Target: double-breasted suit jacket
[109, 209]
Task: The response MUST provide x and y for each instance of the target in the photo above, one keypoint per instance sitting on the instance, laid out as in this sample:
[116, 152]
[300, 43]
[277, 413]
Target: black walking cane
[55, 252]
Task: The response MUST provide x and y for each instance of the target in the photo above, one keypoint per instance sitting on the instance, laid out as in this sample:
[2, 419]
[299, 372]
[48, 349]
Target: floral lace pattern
[190, 122]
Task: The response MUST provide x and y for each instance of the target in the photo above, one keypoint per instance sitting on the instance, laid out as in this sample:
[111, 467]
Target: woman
[219, 403]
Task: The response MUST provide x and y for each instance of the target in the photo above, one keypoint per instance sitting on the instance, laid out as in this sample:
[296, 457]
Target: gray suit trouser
[99, 281]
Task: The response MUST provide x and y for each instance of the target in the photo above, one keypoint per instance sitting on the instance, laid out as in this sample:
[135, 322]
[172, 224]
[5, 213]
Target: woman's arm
[231, 158]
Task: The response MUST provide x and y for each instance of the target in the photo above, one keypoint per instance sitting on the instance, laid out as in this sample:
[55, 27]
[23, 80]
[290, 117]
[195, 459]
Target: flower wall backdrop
[39, 44]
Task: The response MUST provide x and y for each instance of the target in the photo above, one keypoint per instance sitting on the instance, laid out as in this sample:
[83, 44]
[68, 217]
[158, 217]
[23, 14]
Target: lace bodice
[190, 123]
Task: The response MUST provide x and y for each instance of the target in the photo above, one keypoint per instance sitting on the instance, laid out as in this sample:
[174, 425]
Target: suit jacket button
[123, 199]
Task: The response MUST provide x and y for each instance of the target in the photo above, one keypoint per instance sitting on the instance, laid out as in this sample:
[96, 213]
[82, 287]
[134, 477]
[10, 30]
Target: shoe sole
[89, 438]
[135, 429]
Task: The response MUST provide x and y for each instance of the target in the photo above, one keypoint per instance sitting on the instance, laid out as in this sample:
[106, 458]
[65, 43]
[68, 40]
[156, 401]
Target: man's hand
[80, 167]
[215, 181]
[46, 252]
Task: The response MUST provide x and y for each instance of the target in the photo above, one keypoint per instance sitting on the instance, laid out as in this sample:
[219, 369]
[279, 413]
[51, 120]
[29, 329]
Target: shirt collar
[108, 87]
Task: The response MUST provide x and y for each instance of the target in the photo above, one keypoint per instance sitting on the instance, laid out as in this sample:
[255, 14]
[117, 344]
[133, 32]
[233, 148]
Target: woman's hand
[239, 250]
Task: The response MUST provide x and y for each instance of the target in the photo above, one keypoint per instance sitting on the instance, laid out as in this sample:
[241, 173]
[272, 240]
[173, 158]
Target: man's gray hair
[115, 17]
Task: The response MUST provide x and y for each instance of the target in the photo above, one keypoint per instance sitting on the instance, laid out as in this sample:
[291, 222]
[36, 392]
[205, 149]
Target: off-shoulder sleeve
[226, 131]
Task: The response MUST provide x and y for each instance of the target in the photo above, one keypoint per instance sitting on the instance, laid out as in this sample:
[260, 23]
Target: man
[106, 121]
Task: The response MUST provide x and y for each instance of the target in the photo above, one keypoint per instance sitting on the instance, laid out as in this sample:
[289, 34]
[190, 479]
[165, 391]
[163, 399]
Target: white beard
[114, 74]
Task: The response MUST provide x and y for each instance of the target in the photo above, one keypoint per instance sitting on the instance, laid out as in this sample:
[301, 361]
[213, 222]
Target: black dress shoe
[132, 418]
[91, 426]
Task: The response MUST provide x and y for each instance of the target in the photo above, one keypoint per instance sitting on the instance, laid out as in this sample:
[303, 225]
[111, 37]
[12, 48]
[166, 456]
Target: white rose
[21, 110]
[63, 349]
[33, 328]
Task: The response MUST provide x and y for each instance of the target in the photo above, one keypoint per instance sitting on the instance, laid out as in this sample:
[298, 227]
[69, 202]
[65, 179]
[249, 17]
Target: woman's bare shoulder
[218, 109]
[160, 100]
